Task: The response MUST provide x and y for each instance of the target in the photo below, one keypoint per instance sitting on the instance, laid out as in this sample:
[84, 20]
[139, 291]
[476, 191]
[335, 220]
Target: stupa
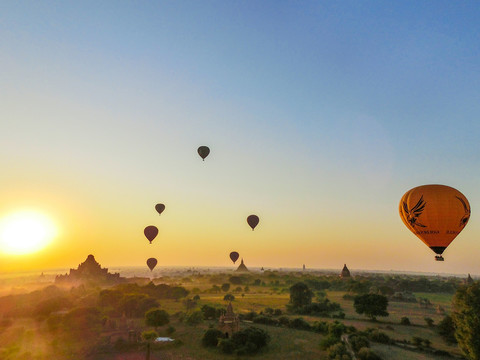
[345, 272]
[242, 268]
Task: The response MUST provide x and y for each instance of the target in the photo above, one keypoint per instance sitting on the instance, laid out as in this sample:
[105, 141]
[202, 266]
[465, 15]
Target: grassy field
[29, 339]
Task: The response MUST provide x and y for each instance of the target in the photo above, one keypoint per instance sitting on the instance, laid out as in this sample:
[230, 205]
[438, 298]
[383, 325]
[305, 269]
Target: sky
[319, 115]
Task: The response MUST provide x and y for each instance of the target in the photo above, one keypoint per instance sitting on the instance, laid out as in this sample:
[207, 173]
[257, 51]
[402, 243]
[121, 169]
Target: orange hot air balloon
[150, 232]
[253, 220]
[151, 263]
[203, 151]
[436, 214]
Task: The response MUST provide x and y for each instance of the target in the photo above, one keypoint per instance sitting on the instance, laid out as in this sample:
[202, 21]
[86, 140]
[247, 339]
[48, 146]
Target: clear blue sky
[320, 115]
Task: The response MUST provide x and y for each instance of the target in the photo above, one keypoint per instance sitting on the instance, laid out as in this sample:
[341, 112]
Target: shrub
[367, 354]
[379, 337]
[338, 351]
[211, 337]
[328, 341]
[429, 321]
[299, 324]
[320, 327]
[358, 341]
[195, 318]
[284, 321]
[244, 342]
[405, 321]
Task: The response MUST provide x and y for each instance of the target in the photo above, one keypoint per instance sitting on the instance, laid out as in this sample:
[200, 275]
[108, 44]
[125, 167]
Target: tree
[372, 305]
[225, 287]
[195, 318]
[446, 329]
[300, 295]
[405, 321]
[466, 317]
[429, 321]
[229, 297]
[156, 317]
[149, 337]
[211, 337]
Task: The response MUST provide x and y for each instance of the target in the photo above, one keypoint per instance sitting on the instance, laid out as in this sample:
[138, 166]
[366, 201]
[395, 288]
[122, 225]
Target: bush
[265, 320]
[320, 327]
[429, 321]
[284, 321]
[367, 354]
[195, 318]
[170, 330]
[299, 324]
[338, 351]
[244, 342]
[211, 337]
[226, 345]
[379, 337]
[358, 341]
[328, 341]
[405, 321]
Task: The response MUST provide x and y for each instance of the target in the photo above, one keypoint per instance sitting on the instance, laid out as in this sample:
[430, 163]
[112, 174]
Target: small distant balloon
[151, 263]
[150, 232]
[203, 151]
[253, 220]
[159, 208]
[234, 256]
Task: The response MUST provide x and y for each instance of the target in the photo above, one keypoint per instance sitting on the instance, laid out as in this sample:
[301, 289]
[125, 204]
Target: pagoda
[242, 267]
[89, 271]
[345, 272]
[228, 323]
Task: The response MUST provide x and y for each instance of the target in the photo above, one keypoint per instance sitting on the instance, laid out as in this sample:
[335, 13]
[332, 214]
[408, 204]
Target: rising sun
[25, 232]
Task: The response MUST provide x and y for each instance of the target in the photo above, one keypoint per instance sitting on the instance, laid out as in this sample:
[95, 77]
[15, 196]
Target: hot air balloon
[436, 214]
[253, 220]
[159, 208]
[151, 263]
[203, 151]
[234, 256]
[150, 232]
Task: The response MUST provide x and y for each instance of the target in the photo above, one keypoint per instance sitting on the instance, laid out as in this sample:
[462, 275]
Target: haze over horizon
[319, 117]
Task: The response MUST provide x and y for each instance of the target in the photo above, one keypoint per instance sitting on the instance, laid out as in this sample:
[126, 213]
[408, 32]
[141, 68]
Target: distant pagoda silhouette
[242, 267]
[89, 271]
[229, 322]
[469, 280]
[345, 272]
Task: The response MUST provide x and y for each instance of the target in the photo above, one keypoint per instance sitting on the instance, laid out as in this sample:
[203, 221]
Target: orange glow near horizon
[25, 232]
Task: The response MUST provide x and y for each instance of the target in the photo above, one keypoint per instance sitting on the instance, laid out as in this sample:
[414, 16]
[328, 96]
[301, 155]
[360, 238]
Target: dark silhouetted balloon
[203, 151]
[436, 214]
[234, 256]
[150, 232]
[159, 208]
[253, 220]
[151, 263]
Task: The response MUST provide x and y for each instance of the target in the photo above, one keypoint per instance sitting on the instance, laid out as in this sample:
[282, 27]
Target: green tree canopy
[156, 317]
[372, 305]
[466, 317]
[300, 295]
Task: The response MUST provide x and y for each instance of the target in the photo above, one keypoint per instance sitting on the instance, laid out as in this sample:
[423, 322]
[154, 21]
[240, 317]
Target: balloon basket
[439, 258]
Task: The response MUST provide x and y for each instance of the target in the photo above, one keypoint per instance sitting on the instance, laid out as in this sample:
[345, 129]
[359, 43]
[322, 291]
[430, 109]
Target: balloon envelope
[253, 220]
[203, 151]
[151, 263]
[159, 208]
[436, 214]
[150, 232]
[234, 256]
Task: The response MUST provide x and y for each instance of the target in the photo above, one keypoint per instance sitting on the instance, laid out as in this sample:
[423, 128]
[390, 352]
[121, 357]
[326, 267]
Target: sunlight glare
[25, 232]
